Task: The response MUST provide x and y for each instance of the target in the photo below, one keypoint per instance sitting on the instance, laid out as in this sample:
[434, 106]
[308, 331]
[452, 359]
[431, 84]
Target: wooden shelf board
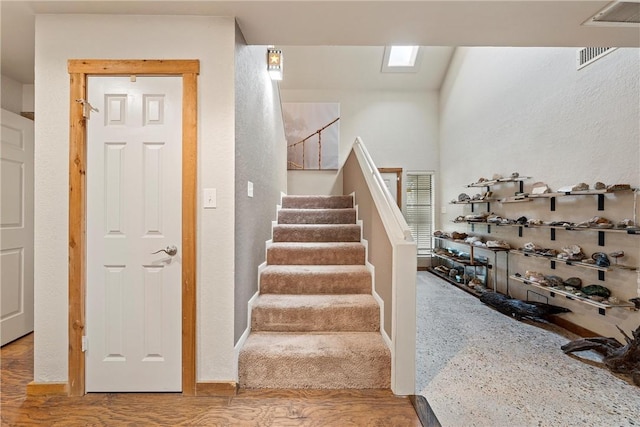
[570, 295]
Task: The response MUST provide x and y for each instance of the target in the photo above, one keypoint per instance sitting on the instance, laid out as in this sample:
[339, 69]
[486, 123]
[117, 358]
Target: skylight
[402, 56]
[400, 59]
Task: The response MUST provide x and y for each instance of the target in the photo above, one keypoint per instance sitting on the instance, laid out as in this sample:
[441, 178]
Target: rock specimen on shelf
[477, 196]
[521, 309]
[600, 222]
[494, 219]
[549, 252]
[540, 188]
[601, 259]
[486, 195]
[625, 223]
[618, 187]
[458, 236]
[599, 185]
[463, 197]
[496, 176]
[619, 358]
[522, 220]
[534, 221]
[531, 247]
[514, 175]
[574, 282]
[498, 244]
[534, 276]
[554, 280]
[479, 217]
[572, 253]
[583, 186]
[616, 255]
[597, 290]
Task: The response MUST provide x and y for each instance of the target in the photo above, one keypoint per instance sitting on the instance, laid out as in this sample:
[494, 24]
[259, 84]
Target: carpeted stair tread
[317, 202]
[316, 253]
[345, 360]
[315, 279]
[316, 233]
[317, 216]
[313, 313]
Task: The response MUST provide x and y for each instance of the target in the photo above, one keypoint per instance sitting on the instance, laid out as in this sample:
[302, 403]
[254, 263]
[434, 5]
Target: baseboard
[572, 327]
[212, 389]
[247, 331]
[423, 268]
[47, 389]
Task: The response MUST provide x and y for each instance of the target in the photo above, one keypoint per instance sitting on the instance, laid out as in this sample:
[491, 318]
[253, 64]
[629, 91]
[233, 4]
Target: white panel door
[134, 175]
[16, 227]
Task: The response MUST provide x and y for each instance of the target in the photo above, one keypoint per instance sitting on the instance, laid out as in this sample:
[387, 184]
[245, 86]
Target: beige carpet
[315, 323]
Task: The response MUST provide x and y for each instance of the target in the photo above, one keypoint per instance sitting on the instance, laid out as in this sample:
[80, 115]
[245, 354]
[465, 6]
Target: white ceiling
[315, 26]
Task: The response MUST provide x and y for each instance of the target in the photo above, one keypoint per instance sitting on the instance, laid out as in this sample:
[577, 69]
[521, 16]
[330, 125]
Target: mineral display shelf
[600, 193]
[471, 202]
[553, 228]
[515, 199]
[564, 261]
[460, 285]
[463, 261]
[489, 266]
[462, 242]
[491, 182]
[579, 193]
[602, 306]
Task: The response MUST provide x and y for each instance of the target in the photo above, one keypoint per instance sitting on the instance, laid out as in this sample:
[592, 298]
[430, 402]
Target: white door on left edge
[134, 181]
[16, 226]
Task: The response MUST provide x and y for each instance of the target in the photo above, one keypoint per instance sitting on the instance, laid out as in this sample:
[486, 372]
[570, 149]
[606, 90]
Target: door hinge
[85, 343]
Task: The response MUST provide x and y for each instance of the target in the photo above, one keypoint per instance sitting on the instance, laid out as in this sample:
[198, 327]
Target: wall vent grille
[587, 55]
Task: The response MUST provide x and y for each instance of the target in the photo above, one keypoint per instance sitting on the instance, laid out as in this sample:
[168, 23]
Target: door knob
[169, 250]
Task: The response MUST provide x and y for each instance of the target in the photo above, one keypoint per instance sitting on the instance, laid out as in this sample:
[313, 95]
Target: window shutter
[419, 210]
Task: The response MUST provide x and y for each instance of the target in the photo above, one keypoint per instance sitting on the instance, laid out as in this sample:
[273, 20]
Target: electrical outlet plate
[249, 188]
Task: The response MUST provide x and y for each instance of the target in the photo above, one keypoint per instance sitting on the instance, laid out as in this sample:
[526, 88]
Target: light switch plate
[249, 188]
[209, 197]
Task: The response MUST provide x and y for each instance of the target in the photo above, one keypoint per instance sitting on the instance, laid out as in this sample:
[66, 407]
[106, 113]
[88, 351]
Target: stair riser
[305, 319]
[318, 216]
[317, 202]
[309, 283]
[315, 256]
[355, 372]
[338, 233]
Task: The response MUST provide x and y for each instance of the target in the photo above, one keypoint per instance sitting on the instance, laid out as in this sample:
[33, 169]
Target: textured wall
[529, 110]
[400, 129]
[211, 40]
[261, 159]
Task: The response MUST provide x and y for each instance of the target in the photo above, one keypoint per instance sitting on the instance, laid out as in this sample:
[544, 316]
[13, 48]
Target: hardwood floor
[342, 408]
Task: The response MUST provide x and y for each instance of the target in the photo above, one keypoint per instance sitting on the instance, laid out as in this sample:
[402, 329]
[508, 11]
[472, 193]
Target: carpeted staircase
[315, 323]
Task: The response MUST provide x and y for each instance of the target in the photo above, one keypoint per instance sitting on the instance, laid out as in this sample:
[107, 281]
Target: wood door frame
[79, 70]
[398, 172]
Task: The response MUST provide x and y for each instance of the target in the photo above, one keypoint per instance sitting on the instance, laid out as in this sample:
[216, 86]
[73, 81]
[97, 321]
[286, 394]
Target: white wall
[11, 94]
[211, 40]
[400, 129]
[261, 157]
[529, 110]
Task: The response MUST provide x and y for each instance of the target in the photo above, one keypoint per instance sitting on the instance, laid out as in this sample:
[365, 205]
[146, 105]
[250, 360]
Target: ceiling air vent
[587, 55]
[619, 13]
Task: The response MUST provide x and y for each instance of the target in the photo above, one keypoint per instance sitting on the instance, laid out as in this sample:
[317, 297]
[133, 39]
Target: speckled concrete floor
[478, 367]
